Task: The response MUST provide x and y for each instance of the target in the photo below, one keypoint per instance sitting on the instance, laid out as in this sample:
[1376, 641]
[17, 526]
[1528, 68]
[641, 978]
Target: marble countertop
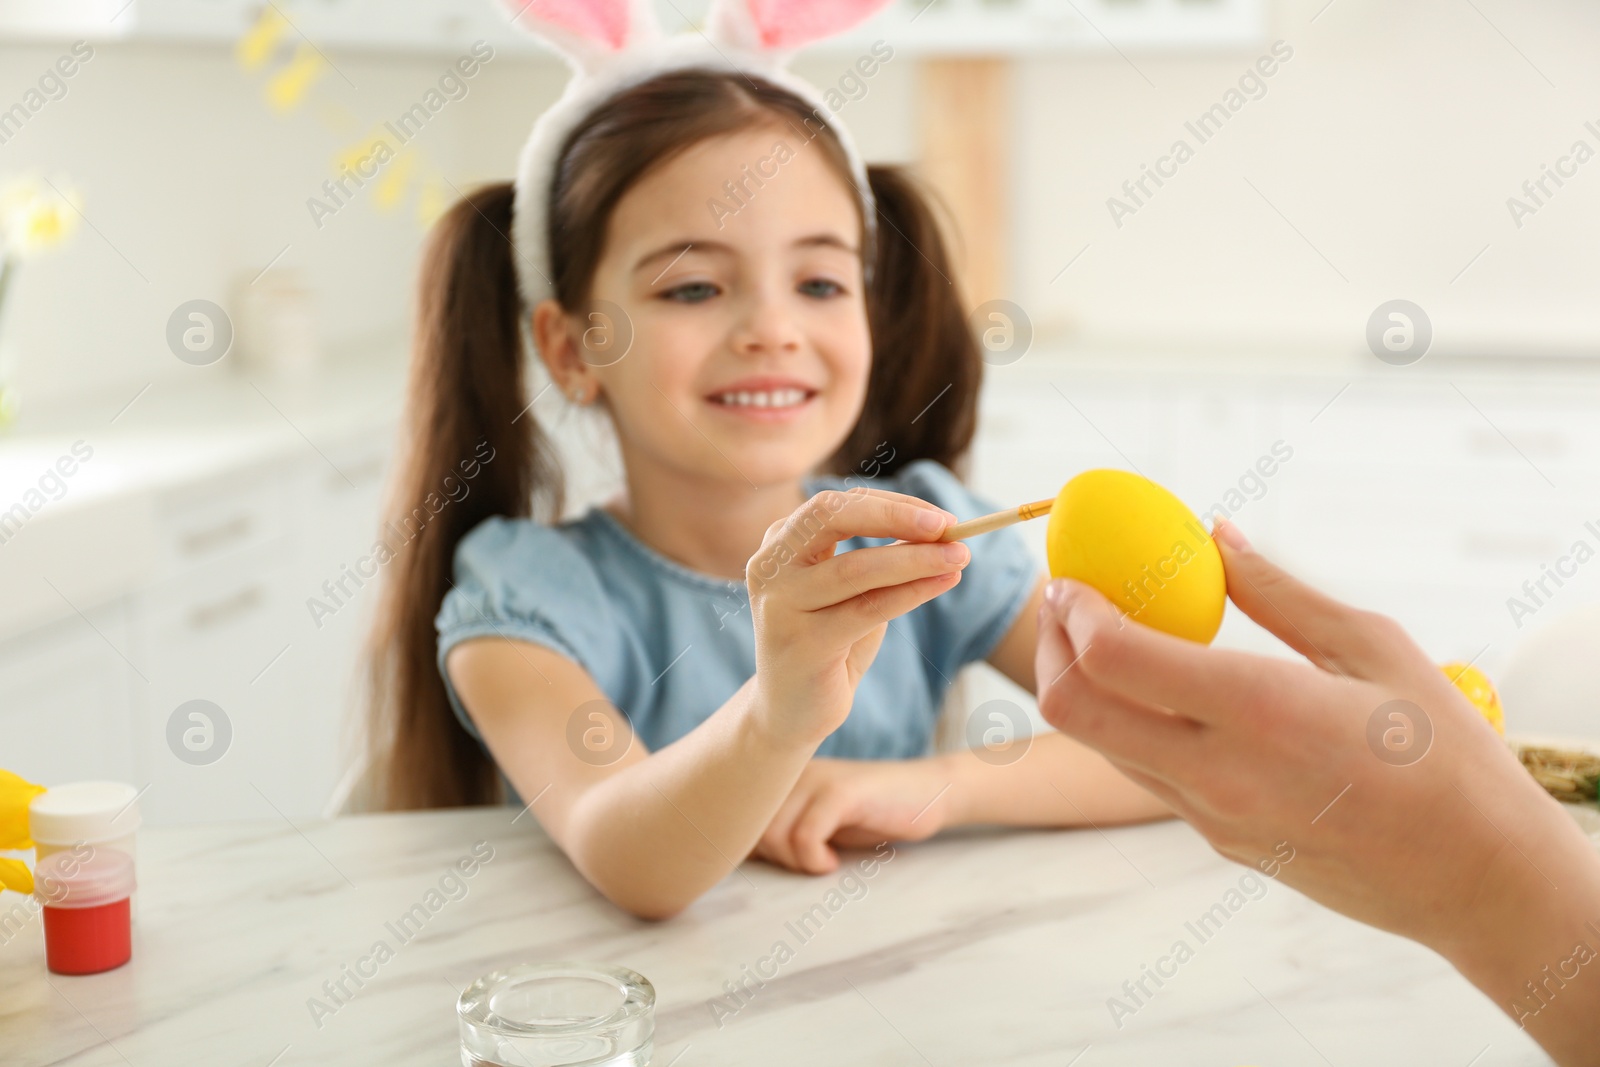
[177, 431]
[989, 947]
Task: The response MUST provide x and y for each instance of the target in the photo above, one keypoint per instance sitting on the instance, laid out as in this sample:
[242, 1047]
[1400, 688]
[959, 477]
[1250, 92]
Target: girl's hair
[466, 423]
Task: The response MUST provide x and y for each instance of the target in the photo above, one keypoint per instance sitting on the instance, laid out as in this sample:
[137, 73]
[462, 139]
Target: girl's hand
[854, 804]
[1362, 777]
[819, 617]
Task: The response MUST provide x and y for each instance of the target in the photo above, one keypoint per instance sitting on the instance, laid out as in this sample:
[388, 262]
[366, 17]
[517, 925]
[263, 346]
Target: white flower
[34, 216]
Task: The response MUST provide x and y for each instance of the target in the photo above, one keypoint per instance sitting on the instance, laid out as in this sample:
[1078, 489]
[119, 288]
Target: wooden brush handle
[985, 523]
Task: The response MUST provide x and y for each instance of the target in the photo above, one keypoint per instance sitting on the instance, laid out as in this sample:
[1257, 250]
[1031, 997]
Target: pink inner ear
[791, 23]
[603, 21]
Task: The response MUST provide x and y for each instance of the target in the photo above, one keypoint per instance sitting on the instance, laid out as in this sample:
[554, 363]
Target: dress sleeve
[966, 623]
[520, 579]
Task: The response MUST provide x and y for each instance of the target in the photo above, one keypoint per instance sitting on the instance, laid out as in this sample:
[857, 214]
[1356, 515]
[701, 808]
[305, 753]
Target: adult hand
[1446, 840]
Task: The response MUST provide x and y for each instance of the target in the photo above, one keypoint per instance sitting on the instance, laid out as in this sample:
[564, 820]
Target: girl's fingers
[857, 837]
[890, 494]
[1148, 667]
[863, 570]
[1328, 632]
[775, 840]
[816, 825]
[808, 536]
[779, 857]
[856, 617]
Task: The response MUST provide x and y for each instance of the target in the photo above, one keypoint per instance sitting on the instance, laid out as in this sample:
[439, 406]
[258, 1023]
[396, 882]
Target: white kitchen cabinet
[229, 556]
[69, 680]
[223, 637]
[336, 526]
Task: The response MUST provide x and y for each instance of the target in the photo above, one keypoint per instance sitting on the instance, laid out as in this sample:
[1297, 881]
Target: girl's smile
[763, 398]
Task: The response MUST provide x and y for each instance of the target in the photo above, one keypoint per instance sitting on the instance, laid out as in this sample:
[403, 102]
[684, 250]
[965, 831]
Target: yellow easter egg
[1142, 548]
[1477, 688]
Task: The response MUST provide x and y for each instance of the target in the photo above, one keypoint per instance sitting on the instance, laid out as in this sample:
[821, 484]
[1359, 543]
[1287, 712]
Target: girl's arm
[652, 831]
[844, 803]
[1054, 781]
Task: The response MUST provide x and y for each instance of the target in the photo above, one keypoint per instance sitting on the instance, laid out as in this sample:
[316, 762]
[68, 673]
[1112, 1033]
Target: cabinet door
[337, 579]
[64, 700]
[222, 637]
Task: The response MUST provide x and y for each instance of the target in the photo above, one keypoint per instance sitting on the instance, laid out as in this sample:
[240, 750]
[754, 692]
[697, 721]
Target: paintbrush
[985, 523]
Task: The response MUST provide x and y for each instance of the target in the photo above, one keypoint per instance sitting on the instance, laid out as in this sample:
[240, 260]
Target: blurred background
[1183, 224]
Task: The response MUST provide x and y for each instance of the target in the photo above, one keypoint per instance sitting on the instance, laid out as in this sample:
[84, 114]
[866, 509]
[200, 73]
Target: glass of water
[557, 1015]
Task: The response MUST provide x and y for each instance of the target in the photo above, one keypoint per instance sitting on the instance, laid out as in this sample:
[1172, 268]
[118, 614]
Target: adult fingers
[1148, 667]
[862, 570]
[1163, 790]
[1328, 632]
[1127, 733]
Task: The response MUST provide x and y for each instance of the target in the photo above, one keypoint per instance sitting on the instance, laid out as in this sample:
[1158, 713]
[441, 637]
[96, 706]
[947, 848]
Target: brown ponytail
[466, 397]
[922, 395]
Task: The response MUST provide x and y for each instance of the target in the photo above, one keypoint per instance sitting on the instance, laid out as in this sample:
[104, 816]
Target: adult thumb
[1328, 632]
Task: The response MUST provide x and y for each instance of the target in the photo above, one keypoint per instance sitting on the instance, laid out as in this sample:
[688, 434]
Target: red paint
[87, 940]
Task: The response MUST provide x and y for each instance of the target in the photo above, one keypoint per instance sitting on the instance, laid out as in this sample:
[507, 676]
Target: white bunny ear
[784, 25]
[589, 32]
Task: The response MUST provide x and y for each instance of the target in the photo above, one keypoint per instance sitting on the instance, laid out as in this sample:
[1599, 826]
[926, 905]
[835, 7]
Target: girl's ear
[558, 348]
[548, 326]
[589, 33]
[784, 25]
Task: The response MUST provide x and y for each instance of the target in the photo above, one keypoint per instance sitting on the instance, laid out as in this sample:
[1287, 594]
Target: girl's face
[751, 349]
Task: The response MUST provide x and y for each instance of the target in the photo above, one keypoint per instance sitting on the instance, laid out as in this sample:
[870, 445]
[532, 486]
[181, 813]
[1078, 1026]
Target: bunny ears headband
[614, 45]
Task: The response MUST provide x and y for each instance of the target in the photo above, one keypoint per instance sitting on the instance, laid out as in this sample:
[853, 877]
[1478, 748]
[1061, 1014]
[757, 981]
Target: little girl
[745, 652]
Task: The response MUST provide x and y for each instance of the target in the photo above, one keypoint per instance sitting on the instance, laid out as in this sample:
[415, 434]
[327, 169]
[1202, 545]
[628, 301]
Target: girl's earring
[578, 394]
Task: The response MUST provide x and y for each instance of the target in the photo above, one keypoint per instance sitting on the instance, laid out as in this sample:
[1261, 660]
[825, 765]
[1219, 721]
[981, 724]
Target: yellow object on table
[1477, 688]
[1142, 548]
[15, 794]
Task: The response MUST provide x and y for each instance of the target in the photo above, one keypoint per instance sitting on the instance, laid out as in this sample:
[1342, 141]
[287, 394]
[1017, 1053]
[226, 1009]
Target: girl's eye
[690, 292]
[821, 287]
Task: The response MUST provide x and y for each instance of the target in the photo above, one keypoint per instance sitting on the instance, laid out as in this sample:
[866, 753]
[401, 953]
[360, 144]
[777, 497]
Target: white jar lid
[91, 812]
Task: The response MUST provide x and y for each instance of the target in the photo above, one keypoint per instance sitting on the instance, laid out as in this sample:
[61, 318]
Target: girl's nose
[766, 325]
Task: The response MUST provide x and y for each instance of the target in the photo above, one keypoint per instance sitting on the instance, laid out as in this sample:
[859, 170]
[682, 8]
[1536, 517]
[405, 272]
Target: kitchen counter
[975, 948]
[83, 485]
[175, 432]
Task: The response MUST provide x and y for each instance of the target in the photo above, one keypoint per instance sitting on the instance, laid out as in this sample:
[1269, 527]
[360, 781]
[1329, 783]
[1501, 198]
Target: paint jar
[84, 896]
[557, 1015]
[104, 815]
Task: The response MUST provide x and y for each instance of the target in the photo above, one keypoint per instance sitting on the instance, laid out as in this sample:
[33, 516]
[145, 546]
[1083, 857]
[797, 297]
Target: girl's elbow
[637, 898]
[634, 885]
[635, 893]
[651, 911]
